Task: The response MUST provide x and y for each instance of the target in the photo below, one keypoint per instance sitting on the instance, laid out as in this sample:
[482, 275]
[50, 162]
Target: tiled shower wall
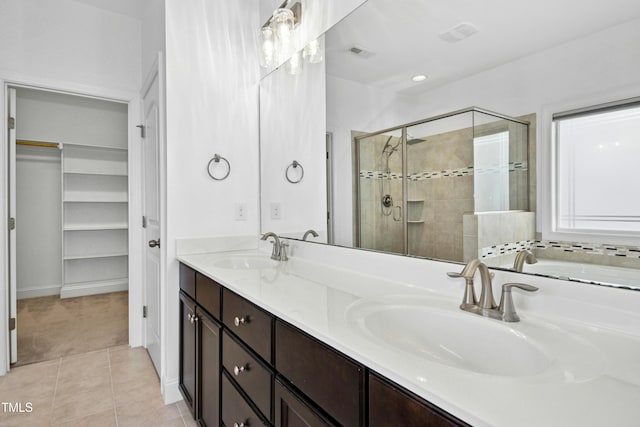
[440, 190]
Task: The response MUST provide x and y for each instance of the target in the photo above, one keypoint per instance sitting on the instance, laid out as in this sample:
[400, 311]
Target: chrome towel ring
[215, 162]
[295, 165]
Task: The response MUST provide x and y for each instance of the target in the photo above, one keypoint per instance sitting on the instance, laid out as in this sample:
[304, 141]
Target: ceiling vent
[458, 32]
[360, 51]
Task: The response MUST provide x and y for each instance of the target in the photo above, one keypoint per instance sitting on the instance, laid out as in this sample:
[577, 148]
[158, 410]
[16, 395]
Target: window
[596, 161]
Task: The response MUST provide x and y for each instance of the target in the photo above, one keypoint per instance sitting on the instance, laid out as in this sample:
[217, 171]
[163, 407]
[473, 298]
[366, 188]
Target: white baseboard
[93, 288]
[170, 391]
[40, 291]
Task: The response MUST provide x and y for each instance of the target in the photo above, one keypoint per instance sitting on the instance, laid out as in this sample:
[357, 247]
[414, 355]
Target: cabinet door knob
[237, 370]
[244, 424]
[240, 320]
[190, 317]
[154, 243]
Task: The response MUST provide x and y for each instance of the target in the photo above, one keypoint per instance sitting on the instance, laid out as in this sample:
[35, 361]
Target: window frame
[547, 171]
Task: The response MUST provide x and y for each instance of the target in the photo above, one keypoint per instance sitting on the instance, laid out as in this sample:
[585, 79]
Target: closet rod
[39, 144]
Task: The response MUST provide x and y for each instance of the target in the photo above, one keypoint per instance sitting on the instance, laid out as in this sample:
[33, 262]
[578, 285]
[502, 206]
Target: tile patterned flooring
[113, 387]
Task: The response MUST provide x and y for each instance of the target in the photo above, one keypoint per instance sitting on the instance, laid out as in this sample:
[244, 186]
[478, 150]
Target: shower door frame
[405, 186]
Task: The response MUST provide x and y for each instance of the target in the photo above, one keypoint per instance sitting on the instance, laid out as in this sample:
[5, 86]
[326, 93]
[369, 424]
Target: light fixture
[419, 78]
[276, 36]
[313, 52]
[277, 40]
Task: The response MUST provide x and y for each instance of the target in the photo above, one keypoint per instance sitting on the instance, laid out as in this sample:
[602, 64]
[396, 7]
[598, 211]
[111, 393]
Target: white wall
[38, 225]
[212, 107]
[153, 34]
[67, 46]
[65, 41]
[603, 62]
[292, 127]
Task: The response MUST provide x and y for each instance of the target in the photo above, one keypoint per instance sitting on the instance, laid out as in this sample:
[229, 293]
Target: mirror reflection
[387, 176]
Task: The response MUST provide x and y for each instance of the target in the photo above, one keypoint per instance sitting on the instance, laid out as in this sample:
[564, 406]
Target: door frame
[132, 99]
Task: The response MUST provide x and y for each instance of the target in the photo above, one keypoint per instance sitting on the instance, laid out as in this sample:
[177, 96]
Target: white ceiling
[404, 36]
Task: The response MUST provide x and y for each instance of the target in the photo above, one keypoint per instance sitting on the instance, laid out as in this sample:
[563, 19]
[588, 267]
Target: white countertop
[596, 382]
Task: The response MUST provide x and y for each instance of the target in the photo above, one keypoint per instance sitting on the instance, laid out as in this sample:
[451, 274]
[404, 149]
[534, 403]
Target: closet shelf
[95, 227]
[103, 199]
[94, 256]
[94, 173]
[100, 147]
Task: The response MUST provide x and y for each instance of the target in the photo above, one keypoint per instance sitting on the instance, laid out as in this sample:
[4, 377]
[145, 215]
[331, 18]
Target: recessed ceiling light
[419, 78]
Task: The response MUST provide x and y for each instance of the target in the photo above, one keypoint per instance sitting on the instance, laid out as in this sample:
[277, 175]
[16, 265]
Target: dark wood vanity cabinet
[188, 360]
[293, 411]
[200, 334]
[389, 405]
[254, 369]
[332, 381]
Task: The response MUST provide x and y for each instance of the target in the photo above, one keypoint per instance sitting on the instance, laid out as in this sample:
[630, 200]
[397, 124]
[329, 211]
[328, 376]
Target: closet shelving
[95, 219]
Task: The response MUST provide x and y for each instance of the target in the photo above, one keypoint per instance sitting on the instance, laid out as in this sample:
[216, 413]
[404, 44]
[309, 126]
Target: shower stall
[421, 185]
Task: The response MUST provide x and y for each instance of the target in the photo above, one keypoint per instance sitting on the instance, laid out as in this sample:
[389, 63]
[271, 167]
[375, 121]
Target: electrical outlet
[241, 211]
[276, 212]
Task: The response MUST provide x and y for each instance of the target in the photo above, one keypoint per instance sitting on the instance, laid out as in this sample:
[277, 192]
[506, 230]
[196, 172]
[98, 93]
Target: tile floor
[113, 387]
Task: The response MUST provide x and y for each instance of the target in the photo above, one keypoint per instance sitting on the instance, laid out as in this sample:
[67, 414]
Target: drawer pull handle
[240, 320]
[237, 370]
[244, 424]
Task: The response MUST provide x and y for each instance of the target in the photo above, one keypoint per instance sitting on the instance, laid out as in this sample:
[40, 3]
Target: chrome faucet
[276, 252]
[487, 306]
[523, 256]
[310, 231]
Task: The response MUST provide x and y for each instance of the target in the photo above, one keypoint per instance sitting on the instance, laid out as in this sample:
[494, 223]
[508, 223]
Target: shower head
[411, 140]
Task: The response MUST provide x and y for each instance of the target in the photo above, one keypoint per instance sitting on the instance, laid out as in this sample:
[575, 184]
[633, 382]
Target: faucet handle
[506, 307]
[469, 299]
[523, 286]
[283, 251]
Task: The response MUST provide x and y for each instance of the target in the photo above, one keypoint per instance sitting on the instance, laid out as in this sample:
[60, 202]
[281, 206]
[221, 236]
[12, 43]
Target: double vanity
[309, 342]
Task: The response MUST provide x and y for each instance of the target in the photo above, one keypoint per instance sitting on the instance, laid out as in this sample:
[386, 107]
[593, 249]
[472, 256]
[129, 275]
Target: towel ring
[295, 165]
[213, 162]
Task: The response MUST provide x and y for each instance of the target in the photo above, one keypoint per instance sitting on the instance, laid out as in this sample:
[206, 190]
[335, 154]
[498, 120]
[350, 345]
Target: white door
[152, 220]
[13, 312]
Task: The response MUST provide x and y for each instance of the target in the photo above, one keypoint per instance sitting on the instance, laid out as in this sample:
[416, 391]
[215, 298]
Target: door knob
[154, 243]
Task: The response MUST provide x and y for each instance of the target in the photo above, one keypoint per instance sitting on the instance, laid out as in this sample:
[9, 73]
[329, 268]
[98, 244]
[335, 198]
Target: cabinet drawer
[290, 410]
[188, 280]
[389, 405]
[332, 381]
[252, 377]
[236, 410]
[208, 293]
[252, 324]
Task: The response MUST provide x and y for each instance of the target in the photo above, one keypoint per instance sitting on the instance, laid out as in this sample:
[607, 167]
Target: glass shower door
[380, 217]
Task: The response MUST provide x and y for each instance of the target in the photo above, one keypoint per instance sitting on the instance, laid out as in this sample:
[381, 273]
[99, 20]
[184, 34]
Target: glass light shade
[314, 51]
[294, 64]
[266, 40]
[282, 25]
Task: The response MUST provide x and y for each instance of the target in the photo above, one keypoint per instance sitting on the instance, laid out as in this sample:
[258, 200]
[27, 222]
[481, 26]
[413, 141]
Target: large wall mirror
[420, 131]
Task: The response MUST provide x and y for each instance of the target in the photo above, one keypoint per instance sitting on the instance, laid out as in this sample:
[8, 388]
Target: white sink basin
[245, 262]
[435, 330]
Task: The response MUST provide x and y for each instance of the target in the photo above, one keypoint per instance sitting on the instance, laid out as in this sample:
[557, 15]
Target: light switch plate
[276, 211]
[241, 212]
